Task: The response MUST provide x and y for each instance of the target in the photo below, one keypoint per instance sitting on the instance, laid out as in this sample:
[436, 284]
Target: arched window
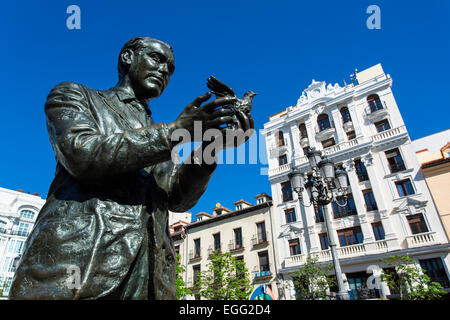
[280, 138]
[323, 122]
[27, 214]
[345, 115]
[374, 102]
[303, 132]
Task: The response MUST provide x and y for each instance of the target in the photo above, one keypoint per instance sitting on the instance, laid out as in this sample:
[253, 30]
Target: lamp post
[323, 185]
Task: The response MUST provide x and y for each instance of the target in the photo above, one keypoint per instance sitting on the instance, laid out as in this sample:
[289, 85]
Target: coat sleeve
[85, 151]
[184, 183]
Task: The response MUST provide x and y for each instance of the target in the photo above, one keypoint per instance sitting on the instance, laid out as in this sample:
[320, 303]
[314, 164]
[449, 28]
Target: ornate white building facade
[390, 210]
[18, 213]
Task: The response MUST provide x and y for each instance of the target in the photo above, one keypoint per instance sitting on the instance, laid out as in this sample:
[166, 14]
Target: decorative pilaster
[337, 119]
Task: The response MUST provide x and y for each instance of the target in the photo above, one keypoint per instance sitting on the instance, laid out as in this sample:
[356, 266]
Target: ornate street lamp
[323, 186]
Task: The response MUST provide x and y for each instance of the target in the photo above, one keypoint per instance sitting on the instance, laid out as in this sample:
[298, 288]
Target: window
[382, 125]
[286, 190]
[21, 229]
[196, 273]
[294, 247]
[290, 215]
[369, 199]
[374, 102]
[216, 241]
[328, 143]
[303, 132]
[177, 249]
[261, 228]
[350, 236]
[395, 160]
[351, 135]
[323, 237]
[280, 136]
[319, 214]
[435, 270]
[263, 261]
[238, 238]
[15, 246]
[378, 231]
[345, 115]
[240, 267]
[282, 160]
[404, 187]
[323, 122]
[348, 210]
[361, 170]
[197, 248]
[417, 223]
[27, 214]
[260, 200]
[239, 207]
[357, 283]
[6, 264]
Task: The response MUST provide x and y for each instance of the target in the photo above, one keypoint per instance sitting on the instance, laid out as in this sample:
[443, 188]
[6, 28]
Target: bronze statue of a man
[107, 208]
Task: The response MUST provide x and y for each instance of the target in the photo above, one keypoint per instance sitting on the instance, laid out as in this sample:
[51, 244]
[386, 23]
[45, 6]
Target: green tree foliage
[410, 280]
[225, 278]
[313, 281]
[181, 288]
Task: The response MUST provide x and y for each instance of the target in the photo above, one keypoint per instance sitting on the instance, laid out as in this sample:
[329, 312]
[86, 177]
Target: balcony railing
[263, 272]
[233, 246]
[389, 133]
[344, 213]
[20, 233]
[421, 239]
[256, 241]
[194, 255]
[397, 167]
[280, 169]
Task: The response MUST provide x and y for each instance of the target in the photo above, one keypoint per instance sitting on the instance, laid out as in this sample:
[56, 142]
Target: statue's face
[151, 68]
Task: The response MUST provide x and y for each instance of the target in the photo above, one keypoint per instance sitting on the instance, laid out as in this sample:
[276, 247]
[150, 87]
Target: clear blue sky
[272, 47]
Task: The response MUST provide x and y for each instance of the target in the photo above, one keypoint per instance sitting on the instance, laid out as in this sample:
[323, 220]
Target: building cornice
[229, 215]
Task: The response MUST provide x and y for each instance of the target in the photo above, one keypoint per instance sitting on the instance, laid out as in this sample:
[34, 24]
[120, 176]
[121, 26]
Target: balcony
[421, 240]
[389, 134]
[277, 150]
[211, 250]
[397, 167]
[304, 142]
[280, 169]
[325, 131]
[344, 213]
[194, 256]
[259, 241]
[376, 110]
[20, 233]
[343, 146]
[236, 247]
[262, 273]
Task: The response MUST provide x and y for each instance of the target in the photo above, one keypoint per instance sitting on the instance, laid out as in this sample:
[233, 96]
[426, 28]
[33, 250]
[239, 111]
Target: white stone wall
[14, 229]
[370, 147]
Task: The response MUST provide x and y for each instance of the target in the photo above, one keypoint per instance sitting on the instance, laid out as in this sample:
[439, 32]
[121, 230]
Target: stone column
[337, 119]
[310, 130]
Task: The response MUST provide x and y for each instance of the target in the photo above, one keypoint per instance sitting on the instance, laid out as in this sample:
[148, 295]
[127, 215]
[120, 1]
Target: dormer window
[260, 200]
[239, 207]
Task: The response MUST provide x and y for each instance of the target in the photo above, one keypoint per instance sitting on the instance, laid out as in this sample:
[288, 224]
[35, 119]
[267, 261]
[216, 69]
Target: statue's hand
[209, 114]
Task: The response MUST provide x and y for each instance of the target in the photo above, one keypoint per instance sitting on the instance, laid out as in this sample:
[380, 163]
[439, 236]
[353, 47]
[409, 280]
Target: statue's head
[148, 64]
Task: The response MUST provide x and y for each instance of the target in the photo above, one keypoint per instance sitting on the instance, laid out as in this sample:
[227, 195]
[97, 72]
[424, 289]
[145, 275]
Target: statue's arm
[85, 151]
[185, 183]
